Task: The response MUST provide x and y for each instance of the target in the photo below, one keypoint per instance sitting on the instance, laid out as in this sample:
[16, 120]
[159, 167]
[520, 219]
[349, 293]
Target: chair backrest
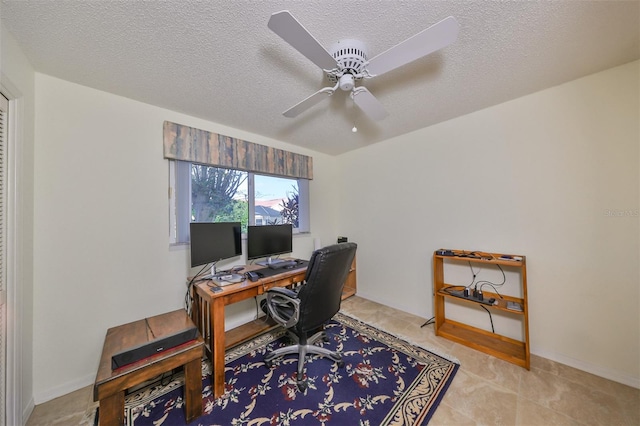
[321, 295]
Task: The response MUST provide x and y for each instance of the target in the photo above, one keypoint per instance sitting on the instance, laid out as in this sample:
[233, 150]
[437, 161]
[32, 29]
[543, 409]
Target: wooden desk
[207, 312]
[110, 385]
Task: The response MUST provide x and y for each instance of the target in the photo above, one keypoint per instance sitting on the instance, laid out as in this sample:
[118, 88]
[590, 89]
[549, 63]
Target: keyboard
[283, 264]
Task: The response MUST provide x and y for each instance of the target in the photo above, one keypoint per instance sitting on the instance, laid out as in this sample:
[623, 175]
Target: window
[200, 193]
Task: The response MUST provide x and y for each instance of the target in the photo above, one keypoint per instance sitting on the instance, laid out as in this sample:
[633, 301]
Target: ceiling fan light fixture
[347, 83]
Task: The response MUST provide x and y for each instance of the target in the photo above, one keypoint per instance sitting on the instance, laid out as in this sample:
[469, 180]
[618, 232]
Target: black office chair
[305, 309]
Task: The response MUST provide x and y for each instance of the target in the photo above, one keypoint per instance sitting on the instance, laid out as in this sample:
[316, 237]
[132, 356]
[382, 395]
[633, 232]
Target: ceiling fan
[347, 61]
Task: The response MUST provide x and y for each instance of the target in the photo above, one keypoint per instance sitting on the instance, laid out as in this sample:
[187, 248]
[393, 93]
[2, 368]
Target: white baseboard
[597, 370]
[65, 388]
[26, 413]
[386, 303]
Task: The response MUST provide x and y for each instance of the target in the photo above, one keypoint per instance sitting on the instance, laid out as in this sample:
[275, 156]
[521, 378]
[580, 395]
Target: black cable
[452, 288]
[473, 274]
[188, 300]
[196, 276]
[165, 376]
[255, 298]
[490, 317]
[203, 268]
[431, 320]
[494, 285]
[504, 278]
[473, 277]
[501, 270]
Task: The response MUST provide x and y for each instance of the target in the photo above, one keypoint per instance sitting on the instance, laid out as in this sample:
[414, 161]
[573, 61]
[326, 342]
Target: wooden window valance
[200, 146]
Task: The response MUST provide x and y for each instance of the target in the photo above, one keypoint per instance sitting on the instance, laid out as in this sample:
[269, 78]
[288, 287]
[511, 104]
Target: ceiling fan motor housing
[351, 57]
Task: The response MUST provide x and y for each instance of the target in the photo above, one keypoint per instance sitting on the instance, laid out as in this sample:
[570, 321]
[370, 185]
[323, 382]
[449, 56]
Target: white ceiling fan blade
[434, 38]
[369, 104]
[301, 107]
[292, 31]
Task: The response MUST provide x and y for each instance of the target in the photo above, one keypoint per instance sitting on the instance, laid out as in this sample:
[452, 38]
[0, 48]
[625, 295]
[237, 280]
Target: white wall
[532, 176]
[17, 82]
[102, 256]
[535, 176]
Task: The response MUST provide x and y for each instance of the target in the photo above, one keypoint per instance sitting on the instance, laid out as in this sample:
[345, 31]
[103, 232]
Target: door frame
[15, 412]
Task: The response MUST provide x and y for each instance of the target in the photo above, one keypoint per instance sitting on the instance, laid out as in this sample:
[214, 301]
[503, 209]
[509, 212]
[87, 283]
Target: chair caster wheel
[268, 364]
[302, 386]
[340, 364]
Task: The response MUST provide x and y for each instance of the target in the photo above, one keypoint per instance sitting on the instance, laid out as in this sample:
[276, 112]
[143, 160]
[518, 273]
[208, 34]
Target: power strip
[460, 294]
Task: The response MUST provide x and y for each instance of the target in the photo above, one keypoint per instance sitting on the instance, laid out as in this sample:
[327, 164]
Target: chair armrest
[283, 297]
[284, 291]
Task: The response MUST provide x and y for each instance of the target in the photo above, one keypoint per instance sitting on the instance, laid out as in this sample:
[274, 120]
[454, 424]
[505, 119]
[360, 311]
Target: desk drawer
[285, 282]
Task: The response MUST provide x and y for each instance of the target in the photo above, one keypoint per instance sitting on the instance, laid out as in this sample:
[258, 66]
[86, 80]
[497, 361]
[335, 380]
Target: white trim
[172, 203]
[4, 143]
[251, 190]
[63, 389]
[597, 370]
[28, 409]
[14, 412]
[304, 215]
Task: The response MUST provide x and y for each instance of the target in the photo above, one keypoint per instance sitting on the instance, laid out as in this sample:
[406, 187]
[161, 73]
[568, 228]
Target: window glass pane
[219, 195]
[276, 200]
[200, 193]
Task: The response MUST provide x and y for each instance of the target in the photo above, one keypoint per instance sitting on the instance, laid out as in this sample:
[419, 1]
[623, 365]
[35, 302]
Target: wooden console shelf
[503, 347]
[350, 284]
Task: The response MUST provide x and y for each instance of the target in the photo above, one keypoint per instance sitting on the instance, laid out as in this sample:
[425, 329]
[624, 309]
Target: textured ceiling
[217, 59]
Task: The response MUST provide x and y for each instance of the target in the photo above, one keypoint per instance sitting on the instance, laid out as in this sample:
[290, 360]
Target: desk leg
[193, 389]
[112, 410]
[217, 346]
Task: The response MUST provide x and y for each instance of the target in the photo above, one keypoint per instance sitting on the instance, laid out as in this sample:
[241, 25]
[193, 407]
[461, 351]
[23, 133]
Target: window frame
[180, 201]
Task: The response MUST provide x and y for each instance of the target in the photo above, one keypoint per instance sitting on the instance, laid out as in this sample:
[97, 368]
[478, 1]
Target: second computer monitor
[269, 240]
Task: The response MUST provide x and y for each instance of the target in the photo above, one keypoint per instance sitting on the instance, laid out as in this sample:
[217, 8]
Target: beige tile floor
[485, 391]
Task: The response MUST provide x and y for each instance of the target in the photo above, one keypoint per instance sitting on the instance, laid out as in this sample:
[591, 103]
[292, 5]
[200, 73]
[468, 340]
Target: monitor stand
[270, 261]
[223, 278]
[213, 273]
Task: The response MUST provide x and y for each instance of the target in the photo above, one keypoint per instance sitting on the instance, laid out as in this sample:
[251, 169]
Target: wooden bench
[110, 385]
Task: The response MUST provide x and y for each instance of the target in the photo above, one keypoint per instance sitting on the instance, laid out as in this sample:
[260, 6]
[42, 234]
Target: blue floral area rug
[385, 381]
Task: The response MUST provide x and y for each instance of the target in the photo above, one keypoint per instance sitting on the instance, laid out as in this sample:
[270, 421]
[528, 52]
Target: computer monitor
[214, 241]
[269, 240]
